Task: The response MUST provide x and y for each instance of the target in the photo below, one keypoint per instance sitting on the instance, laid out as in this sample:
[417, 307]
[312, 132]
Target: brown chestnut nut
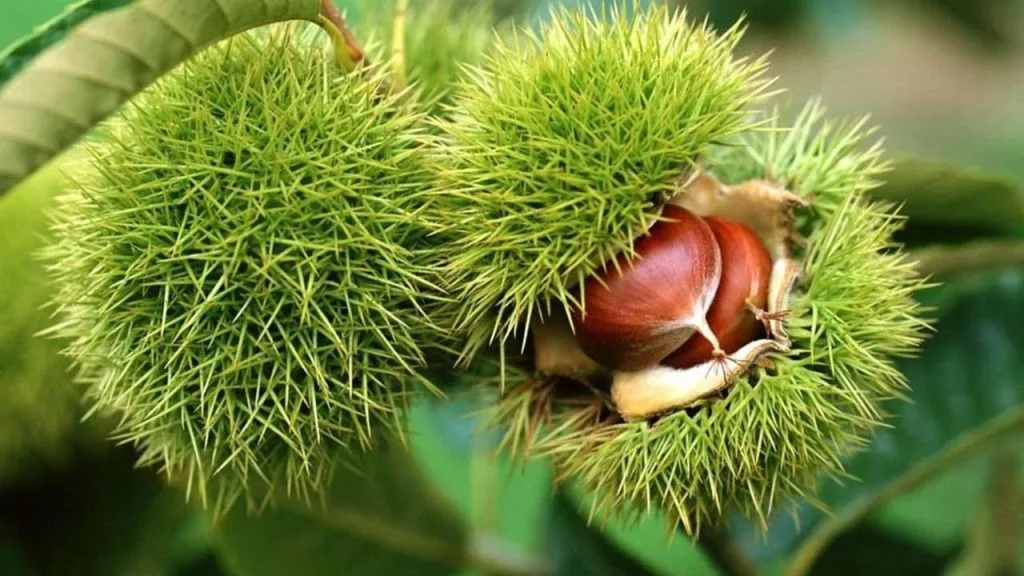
[742, 293]
[638, 311]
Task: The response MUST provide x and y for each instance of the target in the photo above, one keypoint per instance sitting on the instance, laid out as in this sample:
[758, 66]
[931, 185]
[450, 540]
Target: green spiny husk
[39, 406]
[776, 431]
[562, 143]
[241, 267]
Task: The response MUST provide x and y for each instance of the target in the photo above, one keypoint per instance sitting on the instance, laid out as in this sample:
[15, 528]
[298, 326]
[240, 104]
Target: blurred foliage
[993, 544]
[505, 9]
[40, 406]
[981, 21]
[946, 203]
[969, 378]
[441, 38]
[774, 16]
[99, 516]
[379, 516]
[893, 554]
[577, 549]
[70, 501]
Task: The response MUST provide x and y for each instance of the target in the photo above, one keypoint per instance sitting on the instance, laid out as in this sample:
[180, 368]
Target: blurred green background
[943, 78]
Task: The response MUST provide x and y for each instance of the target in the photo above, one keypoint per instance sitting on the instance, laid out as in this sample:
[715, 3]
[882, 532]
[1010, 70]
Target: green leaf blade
[944, 202]
[20, 53]
[967, 389]
[380, 516]
[579, 549]
[74, 84]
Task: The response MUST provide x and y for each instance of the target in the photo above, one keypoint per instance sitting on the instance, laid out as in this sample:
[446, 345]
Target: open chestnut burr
[697, 302]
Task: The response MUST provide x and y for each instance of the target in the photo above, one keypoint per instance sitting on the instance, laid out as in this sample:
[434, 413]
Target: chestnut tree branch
[974, 256]
[1005, 508]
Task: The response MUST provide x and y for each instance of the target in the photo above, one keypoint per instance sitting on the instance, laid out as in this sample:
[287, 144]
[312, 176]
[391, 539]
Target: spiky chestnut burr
[699, 442]
[243, 277]
[561, 147]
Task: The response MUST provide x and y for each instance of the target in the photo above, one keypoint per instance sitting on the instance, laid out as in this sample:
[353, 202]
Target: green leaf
[12, 558]
[516, 502]
[578, 548]
[967, 388]
[938, 513]
[20, 53]
[380, 516]
[944, 202]
[993, 545]
[457, 453]
[873, 550]
[76, 83]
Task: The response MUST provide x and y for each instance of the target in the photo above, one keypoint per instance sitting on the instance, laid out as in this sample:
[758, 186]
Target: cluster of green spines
[241, 267]
[778, 431]
[39, 407]
[562, 141]
[856, 311]
[441, 36]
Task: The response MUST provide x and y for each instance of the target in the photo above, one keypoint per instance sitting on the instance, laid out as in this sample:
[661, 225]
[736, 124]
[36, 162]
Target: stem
[483, 477]
[398, 42]
[725, 554]
[970, 444]
[971, 257]
[347, 50]
[1005, 511]
[489, 555]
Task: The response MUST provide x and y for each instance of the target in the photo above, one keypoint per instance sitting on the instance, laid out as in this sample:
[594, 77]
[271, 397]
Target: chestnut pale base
[641, 395]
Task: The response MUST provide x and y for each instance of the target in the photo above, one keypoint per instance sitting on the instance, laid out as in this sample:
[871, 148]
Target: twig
[1004, 501]
[725, 554]
[968, 445]
[975, 256]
